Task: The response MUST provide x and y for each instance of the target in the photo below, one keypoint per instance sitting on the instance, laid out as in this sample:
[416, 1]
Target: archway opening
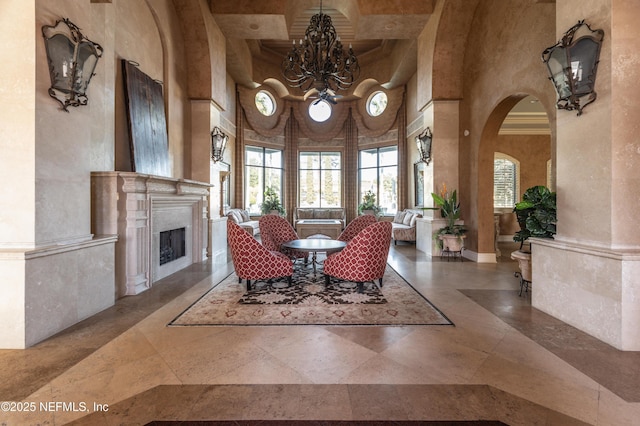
[515, 155]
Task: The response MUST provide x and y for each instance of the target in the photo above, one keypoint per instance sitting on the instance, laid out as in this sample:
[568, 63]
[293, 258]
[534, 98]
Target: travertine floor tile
[564, 396]
[613, 410]
[443, 360]
[483, 368]
[382, 370]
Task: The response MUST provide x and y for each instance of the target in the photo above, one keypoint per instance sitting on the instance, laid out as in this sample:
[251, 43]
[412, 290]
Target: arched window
[506, 180]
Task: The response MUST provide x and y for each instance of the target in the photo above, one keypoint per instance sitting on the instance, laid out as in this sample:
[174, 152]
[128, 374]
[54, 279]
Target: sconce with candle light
[572, 64]
[72, 60]
[218, 143]
[423, 142]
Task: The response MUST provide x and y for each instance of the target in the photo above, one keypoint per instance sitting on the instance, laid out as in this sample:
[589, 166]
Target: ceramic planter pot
[452, 242]
[524, 263]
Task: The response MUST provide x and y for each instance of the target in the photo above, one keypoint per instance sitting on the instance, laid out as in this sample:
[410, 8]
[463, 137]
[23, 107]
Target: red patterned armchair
[275, 231]
[356, 225]
[363, 259]
[252, 260]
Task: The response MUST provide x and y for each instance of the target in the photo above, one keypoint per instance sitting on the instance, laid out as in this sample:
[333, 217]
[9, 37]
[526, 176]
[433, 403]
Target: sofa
[310, 221]
[242, 218]
[404, 225]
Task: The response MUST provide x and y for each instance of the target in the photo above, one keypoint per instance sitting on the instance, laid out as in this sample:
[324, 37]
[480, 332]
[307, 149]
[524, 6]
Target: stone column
[443, 117]
[588, 275]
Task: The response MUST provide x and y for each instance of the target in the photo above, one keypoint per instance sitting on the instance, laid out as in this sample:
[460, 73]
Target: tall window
[378, 172]
[505, 181]
[263, 169]
[320, 179]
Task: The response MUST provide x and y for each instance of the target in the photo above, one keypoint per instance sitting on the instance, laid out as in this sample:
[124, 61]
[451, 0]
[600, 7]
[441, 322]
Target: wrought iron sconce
[423, 142]
[218, 143]
[572, 64]
[72, 59]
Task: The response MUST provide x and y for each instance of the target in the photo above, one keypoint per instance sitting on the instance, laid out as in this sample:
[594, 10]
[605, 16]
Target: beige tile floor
[491, 366]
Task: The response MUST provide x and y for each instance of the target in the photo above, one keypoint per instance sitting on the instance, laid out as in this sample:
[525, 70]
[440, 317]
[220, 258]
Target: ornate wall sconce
[572, 64]
[423, 142]
[218, 144]
[72, 58]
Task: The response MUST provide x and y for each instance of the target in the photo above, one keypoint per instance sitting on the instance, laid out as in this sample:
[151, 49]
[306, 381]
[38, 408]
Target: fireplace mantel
[137, 207]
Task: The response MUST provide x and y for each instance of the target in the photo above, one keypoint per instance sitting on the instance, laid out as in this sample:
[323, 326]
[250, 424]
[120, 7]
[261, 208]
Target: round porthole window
[320, 110]
[377, 103]
[265, 103]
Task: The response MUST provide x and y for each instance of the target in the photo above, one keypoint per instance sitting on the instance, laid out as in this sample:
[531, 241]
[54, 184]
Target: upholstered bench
[404, 225]
[242, 218]
[326, 221]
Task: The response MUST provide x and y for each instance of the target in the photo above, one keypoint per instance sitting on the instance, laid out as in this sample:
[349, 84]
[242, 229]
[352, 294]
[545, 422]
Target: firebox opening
[172, 245]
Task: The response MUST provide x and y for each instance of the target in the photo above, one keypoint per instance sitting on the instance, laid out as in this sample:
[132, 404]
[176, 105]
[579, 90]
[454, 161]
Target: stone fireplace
[143, 210]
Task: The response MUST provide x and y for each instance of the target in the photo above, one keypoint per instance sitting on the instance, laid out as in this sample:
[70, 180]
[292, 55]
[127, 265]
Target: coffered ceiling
[375, 28]
[372, 27]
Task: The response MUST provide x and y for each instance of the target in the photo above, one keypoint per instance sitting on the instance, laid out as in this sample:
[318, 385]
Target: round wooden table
[313, 246]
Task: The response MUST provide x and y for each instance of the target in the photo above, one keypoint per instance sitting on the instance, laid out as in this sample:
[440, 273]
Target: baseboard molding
[479, 257]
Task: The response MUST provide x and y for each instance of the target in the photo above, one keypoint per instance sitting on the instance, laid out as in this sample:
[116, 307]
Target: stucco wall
[95, 137]
[493, 72]
[152, 37]
[626, 146]
[64, 142]
[17, 132]
[533, 152]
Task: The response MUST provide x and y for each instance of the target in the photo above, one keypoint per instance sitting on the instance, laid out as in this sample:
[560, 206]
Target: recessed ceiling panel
[253, 27]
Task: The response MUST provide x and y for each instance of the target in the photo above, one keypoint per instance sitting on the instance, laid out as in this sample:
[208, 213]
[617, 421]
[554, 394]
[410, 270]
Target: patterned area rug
[308, 302]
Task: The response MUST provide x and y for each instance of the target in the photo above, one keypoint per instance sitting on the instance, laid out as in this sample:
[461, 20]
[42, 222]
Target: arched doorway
[515, 154]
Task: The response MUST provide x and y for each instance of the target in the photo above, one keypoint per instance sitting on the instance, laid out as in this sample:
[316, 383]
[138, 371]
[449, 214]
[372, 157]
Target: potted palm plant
[368, 205]
[536, 215]
[450, 237]
[271, 203]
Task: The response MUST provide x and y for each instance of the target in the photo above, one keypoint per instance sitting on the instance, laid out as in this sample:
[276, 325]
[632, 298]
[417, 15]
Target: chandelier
[319, 61]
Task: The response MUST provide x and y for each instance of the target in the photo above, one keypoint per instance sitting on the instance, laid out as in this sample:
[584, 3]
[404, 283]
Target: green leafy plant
[450, 211]
[369, 203]
[536, 214]
[271, 202]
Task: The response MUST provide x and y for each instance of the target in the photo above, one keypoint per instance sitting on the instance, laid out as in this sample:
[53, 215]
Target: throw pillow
[399, 217]
[305, 213]
[407, 218]
[245, 216]
[335, 214]
[322, 214]
[233, 215]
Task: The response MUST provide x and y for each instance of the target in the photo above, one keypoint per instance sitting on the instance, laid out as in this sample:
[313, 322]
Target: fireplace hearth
[172, 245]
